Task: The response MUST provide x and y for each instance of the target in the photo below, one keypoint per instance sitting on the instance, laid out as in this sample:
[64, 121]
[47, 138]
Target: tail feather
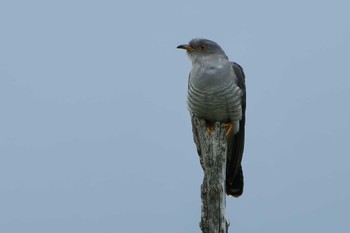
[234, 184]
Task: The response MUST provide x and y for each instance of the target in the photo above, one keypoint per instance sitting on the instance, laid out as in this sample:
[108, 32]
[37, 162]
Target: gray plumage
[216, 93]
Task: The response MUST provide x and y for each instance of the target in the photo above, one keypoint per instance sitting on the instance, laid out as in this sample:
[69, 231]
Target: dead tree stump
[212, 149]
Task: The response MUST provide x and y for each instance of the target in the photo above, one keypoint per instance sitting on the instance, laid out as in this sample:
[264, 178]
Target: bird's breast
[218, 102]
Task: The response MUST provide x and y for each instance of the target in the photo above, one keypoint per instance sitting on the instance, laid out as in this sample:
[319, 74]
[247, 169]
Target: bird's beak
[186, 47]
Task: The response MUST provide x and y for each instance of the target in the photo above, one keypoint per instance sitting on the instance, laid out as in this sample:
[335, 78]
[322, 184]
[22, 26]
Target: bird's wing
[234, 173]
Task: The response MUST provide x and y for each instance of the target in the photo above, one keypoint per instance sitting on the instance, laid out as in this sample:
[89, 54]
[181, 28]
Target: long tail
[235, 183]
[234, 172]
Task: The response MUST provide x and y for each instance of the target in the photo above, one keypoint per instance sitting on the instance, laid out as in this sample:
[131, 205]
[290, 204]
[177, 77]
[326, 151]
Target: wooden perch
[212, 149]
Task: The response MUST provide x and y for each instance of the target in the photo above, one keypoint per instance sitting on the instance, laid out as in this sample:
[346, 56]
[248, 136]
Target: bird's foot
[209, 127]
[229, 127]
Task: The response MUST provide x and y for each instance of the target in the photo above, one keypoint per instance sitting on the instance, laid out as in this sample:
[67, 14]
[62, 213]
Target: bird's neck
[207, 61]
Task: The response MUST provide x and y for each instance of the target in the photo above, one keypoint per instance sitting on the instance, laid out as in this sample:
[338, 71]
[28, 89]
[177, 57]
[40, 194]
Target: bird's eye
[202, 47]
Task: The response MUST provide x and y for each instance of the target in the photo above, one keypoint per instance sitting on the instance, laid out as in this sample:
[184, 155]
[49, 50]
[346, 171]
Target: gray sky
[95, 135]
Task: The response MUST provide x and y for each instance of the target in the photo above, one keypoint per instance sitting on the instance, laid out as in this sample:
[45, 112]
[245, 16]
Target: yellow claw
[229, 127]
[209, 128]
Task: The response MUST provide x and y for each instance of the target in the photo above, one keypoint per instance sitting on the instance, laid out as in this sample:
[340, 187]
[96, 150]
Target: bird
[217, 93]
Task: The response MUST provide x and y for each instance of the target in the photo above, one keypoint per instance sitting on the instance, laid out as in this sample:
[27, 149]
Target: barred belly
[222, 104]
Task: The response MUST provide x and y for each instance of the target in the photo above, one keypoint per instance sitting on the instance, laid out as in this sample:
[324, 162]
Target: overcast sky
[95, 135]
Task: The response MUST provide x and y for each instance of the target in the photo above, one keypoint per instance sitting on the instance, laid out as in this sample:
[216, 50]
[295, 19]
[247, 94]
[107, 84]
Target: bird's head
[198, 48]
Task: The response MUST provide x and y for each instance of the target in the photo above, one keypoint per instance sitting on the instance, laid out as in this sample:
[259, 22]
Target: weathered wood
[212, 149]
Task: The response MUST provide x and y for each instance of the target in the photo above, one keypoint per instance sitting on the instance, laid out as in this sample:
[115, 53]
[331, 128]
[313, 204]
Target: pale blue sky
[95, 135]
